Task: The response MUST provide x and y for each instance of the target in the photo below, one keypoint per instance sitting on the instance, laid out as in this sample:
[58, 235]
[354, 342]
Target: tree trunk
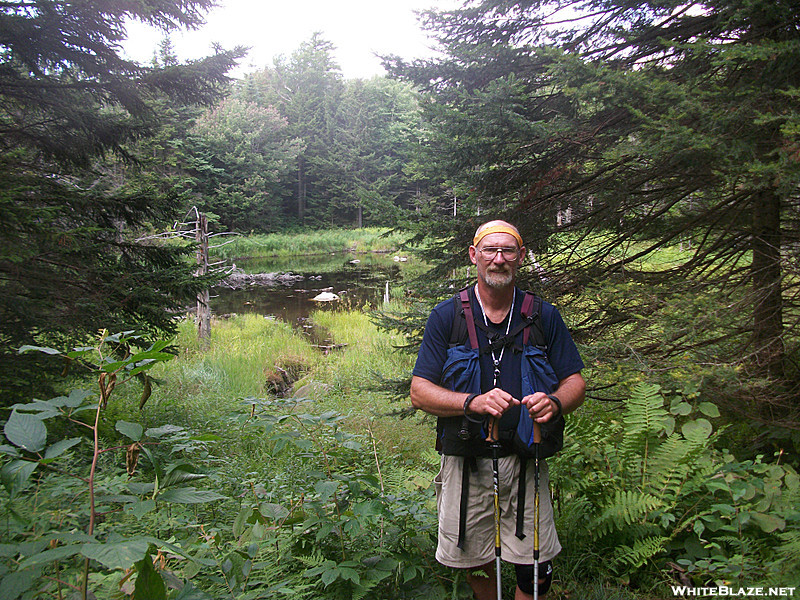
[301, 189]
[203, 309]
[766, 278]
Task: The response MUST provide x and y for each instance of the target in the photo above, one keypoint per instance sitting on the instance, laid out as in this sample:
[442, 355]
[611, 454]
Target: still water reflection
[360, 281]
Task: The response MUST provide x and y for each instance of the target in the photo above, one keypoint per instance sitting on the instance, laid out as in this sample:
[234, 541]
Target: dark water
[359, 285]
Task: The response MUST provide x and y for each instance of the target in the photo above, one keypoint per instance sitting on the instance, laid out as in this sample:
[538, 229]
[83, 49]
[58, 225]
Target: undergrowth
[225, 486]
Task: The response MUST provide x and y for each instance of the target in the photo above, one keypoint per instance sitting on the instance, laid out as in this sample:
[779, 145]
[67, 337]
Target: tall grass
[369, 239]
[199, 386]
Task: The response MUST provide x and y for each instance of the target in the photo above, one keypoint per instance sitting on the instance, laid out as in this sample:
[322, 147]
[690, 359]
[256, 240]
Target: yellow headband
[497, 229]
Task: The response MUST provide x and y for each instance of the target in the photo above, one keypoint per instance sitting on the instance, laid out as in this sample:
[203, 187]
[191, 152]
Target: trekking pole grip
[537, 433]
[491, 428]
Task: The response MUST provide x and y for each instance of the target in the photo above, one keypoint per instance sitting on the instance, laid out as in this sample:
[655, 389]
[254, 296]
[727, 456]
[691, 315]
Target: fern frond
[641, 551]
[625, 509]
[645, 412]
[645, 422]
[667, 468]
[790, 545]
[311, 560]
[360, 591]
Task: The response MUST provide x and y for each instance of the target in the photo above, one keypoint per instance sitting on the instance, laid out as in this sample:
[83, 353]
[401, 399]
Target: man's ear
[522, 252]
[473, 255]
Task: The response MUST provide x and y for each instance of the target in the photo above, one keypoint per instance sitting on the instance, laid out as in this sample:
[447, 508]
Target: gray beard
[498, 280]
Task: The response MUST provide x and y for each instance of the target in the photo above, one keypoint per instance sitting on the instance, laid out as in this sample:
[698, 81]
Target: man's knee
[525, 577]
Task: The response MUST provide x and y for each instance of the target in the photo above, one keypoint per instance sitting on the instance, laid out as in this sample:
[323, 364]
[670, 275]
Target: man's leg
[482, 581]
[525, 580]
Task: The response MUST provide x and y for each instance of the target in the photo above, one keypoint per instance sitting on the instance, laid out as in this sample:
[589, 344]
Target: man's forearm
[571, 392]
[436, 400]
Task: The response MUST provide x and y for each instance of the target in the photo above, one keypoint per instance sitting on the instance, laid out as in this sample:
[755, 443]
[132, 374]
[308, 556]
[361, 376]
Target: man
[495, 303]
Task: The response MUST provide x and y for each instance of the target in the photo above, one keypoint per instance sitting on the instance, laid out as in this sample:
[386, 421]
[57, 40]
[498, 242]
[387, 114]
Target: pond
[285, 288]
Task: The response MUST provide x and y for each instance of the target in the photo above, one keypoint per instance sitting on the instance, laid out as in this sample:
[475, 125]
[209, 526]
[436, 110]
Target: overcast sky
[357, 28]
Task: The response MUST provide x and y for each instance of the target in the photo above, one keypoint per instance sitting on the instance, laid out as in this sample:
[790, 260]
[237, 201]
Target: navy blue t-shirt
[561, 350]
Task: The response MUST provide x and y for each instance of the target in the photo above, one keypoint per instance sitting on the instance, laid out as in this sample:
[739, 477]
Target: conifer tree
[71, 111]
[637, 127]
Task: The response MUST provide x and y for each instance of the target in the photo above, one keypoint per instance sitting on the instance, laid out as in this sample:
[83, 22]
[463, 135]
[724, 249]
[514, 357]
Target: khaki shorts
[480, 532]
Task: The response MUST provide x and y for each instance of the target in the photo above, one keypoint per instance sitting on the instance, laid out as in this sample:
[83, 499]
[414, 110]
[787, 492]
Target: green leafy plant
[651, 495]
[63, 498]
[330, 520]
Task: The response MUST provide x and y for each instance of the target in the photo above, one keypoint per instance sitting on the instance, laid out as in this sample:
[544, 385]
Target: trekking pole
[495, 446]
[537, 440]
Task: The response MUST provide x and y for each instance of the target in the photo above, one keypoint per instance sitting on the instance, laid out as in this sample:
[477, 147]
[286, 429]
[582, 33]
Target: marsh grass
[355, 374]
[368, 239]
[202, 387]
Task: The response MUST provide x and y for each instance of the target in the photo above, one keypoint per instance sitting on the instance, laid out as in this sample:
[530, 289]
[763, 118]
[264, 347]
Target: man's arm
[441, 402]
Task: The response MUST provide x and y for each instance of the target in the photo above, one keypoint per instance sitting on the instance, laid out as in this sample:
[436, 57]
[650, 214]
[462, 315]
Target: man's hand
[493, 403]
[540, 407]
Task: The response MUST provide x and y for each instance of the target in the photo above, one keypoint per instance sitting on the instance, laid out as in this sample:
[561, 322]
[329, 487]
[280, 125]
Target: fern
[668, 469]
[645, 421]
[641, 551]
[625, 509]
[312, 560]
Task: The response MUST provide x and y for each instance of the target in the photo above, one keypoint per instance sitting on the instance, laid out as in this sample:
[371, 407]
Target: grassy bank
[276, 245]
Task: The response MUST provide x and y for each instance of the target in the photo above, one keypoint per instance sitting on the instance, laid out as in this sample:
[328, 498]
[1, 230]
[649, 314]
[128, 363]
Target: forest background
[648, 153]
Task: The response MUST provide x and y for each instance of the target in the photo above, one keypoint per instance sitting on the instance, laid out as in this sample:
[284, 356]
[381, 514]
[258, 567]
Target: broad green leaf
[326, 489]
[158, 432]
[205, 437]
[133, 431]
[139, 509]
[53, 554]
[76, 398]
[141, 488]
[117, 555]
[768, 523]
[351, 574]
[9, 450]
[179, 473]
[708, 409]
[25, 431]
[328, 577]
[149, 583]
[680, 408]
[16, 474]
[697, 431]
[13, 585]
[189, 495]
[43, 349]
[241, 520]
[59, 448]
[272, 511]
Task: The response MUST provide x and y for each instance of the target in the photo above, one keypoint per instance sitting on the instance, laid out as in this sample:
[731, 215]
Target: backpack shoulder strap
[531, 312]
[465, 304]
[463, 328]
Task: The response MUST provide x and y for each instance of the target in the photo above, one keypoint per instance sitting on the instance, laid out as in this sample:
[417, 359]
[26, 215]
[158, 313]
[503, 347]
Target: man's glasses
[490, 252]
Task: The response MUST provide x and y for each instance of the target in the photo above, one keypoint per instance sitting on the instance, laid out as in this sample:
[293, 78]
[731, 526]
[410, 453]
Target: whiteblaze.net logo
[685, 591]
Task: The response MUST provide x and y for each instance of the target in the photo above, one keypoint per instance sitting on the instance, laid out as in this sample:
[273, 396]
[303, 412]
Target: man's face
[497, 258]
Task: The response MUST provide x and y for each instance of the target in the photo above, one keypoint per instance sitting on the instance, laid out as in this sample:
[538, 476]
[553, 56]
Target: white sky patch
[359, 29]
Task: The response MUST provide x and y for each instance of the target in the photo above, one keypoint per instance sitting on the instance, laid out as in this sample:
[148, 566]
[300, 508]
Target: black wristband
[469, 399]
[558, 406]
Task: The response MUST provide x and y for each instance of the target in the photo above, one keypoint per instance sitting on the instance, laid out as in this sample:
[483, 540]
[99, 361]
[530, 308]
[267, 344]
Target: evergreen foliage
[358, 138]
[628, 128]
[71, 108]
